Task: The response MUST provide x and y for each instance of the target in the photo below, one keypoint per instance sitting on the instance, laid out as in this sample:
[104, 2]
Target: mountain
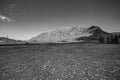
[4, 40]
[96, 32]
[69, 34]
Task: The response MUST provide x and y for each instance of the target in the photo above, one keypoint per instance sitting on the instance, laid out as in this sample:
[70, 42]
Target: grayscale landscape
[84, 59]
[59, 40]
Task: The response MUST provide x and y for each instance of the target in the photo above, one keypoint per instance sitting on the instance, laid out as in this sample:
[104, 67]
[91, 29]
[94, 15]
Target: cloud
[5, 19]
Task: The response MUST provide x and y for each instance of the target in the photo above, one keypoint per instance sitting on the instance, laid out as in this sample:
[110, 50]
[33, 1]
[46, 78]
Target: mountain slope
[96, 33]
[69, 34]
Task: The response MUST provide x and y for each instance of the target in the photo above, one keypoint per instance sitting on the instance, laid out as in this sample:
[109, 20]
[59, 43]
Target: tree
[101, 39]
[116, 39]
[110, 39]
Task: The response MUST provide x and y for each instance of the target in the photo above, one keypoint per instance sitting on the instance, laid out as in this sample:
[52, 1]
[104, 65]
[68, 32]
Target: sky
[24, 19]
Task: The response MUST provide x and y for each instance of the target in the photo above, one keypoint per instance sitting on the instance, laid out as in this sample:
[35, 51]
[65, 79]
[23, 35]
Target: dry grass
[60, 62]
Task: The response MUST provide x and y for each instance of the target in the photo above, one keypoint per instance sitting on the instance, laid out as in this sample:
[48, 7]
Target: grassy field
[77, 61]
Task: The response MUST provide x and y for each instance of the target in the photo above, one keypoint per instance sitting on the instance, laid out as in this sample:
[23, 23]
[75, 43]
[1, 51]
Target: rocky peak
[94, 30]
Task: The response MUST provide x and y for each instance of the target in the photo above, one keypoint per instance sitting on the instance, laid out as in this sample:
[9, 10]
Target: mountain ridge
[67, 34]
[64, 35]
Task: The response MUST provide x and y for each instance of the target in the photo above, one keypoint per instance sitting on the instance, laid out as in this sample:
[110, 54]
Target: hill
[4, 40]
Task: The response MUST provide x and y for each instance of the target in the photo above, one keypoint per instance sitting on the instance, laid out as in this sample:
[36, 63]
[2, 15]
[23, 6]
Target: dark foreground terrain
[60, 62]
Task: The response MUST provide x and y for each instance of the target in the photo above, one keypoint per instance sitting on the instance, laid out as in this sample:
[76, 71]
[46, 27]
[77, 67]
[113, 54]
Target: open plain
[71, 61]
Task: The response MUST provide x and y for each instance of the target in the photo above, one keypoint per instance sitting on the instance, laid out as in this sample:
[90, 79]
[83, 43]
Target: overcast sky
[23, 19]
